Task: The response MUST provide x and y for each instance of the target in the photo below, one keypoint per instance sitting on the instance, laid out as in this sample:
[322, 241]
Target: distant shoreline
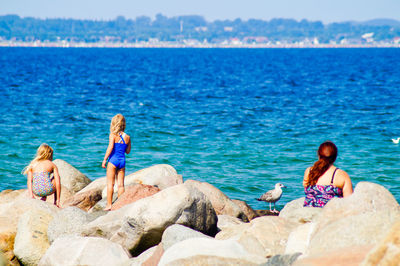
[180, 45]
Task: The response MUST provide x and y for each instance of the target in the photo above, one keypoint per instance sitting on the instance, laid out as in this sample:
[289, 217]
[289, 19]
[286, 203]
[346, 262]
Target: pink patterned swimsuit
[318, 196]
[42, 185]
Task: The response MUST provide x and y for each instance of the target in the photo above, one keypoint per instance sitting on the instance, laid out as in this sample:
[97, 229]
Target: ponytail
[327, 154]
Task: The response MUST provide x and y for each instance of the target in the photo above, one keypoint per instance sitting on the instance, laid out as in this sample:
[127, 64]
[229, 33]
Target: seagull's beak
[284, 186]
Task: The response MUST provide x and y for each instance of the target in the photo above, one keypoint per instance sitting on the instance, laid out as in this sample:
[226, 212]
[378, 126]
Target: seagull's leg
[270, 207]
[275, 208]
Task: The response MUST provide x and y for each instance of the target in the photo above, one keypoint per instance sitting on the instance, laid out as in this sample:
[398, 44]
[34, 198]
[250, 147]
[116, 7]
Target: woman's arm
[58, 185]
[128, 149]
[109, 149]
[29, 183]
[348, 186]
[305, 179]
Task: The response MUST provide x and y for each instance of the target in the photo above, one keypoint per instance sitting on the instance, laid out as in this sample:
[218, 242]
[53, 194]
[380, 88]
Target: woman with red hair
[324, 181]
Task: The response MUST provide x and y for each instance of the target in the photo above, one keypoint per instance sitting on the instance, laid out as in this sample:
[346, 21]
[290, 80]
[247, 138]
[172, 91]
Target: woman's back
[324, 181]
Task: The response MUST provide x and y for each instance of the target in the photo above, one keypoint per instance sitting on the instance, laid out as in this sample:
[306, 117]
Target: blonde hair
[44, 152]
[117, 124]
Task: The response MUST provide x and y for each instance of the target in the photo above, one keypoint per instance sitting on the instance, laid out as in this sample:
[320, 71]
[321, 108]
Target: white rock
[204, 251]
[68, 221]
[177, 233]
[299, 239]
[73, 250]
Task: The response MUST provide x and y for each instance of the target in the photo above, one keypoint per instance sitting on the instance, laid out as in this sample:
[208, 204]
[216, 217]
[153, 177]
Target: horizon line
[188, 15]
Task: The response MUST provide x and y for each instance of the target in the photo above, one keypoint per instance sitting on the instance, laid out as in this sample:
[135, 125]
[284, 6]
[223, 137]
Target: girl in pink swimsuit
[43, 176]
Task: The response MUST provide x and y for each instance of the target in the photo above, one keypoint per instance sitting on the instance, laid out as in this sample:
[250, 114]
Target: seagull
[272, 196]
[396, 141]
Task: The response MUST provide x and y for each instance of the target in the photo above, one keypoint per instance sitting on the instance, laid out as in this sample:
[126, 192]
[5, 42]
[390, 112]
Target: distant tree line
[187, 27]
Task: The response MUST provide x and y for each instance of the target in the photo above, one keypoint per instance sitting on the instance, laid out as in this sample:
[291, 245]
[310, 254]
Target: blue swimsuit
[117, 156]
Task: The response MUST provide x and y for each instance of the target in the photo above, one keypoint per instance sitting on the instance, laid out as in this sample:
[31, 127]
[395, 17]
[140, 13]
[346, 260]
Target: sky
[326, 11]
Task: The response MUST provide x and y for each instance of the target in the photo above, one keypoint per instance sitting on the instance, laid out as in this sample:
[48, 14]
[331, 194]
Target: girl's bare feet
[107, 208]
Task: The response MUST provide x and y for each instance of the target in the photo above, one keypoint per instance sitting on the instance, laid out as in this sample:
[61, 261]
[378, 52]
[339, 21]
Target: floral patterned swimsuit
[318, 196]
[42, 185]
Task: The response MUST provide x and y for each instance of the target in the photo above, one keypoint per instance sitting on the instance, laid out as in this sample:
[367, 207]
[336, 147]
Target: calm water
[240, 119]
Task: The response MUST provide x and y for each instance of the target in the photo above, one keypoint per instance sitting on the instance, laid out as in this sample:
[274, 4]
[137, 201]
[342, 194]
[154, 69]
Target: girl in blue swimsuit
[119, 144]
[43, 176]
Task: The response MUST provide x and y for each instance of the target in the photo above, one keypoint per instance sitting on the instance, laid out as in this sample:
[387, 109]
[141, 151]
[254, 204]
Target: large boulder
[10, 213]
[221, 203]
[177, 233]
[74, 250]
[133, 193]
[387, 251]
[67, 222]
[367, 197]
[295, 212]
[84, 200]
[264, 236]
[71, 177]
[299, 238]
[160, 175]
[140, 225]
[355, 230]
[205, 251]
[31, 239]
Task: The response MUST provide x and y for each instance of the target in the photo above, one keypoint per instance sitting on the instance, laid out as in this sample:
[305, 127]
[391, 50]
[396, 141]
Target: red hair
[327, 153]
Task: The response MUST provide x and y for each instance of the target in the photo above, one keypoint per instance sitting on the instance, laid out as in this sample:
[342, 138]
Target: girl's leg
[57, 186]
[111, 171]
[120, 180]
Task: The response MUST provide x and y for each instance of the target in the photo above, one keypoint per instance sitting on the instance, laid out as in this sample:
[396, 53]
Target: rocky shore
[161, 220]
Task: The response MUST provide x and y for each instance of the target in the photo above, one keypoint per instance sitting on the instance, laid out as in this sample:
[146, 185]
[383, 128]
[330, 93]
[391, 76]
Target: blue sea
[240, 119]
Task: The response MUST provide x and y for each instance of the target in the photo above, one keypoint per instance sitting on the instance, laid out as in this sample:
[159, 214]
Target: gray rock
[140, 225]
[177, 233]
[71, 177]
[205, 251]
[68, 221]
[73, 250]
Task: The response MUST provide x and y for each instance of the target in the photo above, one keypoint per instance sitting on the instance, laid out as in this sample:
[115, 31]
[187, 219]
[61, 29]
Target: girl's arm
[109, 149]
[58, 186]
[128, 149]
[30, 175]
